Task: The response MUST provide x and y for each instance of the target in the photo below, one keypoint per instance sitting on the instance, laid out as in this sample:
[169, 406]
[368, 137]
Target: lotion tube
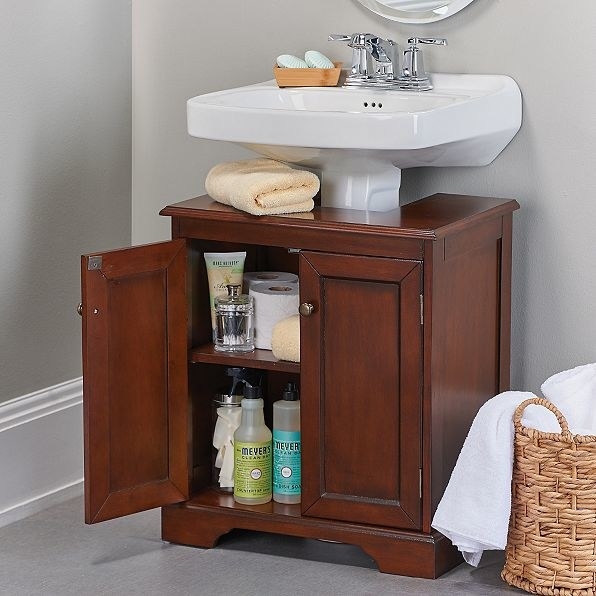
[223, 269]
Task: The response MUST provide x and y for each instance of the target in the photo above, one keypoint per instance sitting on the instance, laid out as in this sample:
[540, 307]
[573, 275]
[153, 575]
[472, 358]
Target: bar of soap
[289, 61]
[315, 59]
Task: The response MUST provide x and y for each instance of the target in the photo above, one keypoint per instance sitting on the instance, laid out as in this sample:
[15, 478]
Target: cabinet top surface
[430, 218]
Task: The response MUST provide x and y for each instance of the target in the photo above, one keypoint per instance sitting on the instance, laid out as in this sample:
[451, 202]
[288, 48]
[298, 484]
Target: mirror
[415, 11]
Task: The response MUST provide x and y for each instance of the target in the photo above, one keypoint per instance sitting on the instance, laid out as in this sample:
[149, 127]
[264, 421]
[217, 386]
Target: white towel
[476, 504]
[262, 186]
[475, 508]
[574, 393]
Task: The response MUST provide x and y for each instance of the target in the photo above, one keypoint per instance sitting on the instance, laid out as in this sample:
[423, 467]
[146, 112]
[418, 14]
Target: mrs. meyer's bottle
[252, 452]
[287, 447]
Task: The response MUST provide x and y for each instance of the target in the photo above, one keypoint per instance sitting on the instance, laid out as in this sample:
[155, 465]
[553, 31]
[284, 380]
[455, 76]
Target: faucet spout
[385, 55]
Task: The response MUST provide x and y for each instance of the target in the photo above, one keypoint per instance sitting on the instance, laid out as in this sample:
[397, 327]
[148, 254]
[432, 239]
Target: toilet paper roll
[273, 303]
[251, 278]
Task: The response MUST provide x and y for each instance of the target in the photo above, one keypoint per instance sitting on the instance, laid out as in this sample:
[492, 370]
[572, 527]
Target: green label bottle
[252, 452]
[252, 471]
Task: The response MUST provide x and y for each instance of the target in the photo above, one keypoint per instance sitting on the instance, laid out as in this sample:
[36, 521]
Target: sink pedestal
[360, 184]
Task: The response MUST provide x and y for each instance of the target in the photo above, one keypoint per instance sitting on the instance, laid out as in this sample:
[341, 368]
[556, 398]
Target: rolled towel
[262, 186]
[285, 339]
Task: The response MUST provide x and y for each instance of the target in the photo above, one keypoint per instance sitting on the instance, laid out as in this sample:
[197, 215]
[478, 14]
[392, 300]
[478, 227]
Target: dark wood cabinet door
[361, 386]
[135, 379]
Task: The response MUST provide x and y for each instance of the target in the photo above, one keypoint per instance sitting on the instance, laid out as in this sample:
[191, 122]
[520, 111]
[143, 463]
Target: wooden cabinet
[408, 336]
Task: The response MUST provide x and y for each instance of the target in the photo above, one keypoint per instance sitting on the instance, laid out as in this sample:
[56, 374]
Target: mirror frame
[449, 8]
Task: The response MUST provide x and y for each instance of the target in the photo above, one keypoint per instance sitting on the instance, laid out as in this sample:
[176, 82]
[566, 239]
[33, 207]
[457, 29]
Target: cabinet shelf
[260, 359]
[211, 497]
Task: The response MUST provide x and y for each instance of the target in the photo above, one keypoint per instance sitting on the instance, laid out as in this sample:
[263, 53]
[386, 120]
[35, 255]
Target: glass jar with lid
[234, 317]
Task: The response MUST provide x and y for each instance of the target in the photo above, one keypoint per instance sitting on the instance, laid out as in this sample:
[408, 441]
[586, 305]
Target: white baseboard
[41, 450]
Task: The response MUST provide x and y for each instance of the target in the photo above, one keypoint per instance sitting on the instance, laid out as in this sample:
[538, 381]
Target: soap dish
[307, 77]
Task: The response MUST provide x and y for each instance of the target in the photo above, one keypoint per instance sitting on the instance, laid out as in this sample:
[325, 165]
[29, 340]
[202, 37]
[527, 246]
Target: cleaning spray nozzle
[252, 392]
[249, 378]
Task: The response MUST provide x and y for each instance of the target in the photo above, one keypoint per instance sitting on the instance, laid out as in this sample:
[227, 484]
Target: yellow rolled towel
[285, 339]
[262, 186]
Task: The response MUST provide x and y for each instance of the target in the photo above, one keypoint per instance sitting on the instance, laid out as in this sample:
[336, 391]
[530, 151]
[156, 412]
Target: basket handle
[540, 401]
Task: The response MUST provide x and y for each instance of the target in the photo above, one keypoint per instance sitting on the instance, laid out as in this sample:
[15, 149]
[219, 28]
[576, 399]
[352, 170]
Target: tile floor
[55, 553]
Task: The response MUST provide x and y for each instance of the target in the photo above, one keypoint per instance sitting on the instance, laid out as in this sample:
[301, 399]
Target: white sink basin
[360, 139]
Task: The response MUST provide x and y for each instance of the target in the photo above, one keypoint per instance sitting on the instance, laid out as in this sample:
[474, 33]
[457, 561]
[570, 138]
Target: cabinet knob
[306, 309]
[80, 309]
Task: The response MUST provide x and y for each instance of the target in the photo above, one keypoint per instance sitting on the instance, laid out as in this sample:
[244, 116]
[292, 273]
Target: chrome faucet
[375, 62]
[374, 59]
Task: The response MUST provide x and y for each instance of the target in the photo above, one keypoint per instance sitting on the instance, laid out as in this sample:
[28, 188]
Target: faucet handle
[413, 75]
[437, 41]
[355, 40]
[359, 43]
[339, 37]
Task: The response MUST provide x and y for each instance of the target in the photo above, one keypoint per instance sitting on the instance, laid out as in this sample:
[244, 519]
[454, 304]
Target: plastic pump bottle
[287, 447]
[252, 452]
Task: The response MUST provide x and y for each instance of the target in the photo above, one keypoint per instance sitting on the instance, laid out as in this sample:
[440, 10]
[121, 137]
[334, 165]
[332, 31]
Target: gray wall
[185, 48]
[65, 144]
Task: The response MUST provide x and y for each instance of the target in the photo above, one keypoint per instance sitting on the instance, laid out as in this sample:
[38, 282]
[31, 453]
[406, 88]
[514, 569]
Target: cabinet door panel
[135, 379]
[361, 353]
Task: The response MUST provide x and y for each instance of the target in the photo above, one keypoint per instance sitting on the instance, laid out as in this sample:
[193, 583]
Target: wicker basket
[551, 545]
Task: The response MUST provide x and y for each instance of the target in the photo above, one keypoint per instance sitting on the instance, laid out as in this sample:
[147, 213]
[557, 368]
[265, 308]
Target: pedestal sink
[359, 139]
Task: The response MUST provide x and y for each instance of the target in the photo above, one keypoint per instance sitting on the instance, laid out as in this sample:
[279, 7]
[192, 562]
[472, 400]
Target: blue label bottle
[287, 485]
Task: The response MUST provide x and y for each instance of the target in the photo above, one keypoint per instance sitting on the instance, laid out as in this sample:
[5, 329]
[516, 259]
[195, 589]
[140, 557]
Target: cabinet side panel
[506, 258]
[466, 346]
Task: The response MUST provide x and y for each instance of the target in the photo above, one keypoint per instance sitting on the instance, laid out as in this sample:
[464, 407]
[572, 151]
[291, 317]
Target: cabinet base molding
[202, 520]
[40, 450]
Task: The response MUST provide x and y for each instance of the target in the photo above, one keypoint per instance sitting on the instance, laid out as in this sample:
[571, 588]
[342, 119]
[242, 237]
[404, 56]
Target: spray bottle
[287, 447]
[226, 415]
[252, 451]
